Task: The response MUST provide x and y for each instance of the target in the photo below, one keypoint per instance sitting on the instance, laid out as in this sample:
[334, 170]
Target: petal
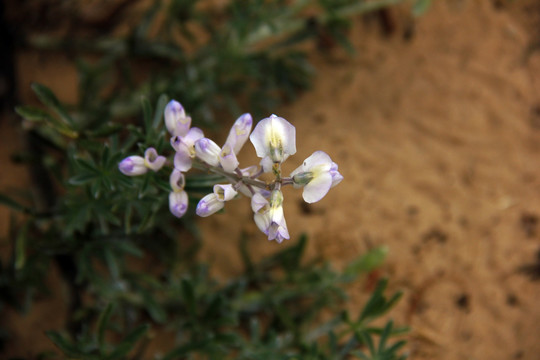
[336, 176]
[317, 188]
[258, 203]
[152, 160]
[224, 192]
[193, 135]
[266, 164]
[317, 159]
[182, 160]
[239, 132]
[178, 203]
[177, 180]
[227, 158]
[250, 170]
[274, 137]
[262, 221]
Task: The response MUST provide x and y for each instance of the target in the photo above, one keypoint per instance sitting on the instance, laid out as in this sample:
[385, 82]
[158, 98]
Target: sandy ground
[438, 138]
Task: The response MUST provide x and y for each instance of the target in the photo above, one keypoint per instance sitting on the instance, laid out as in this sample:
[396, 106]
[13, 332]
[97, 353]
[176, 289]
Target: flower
[213, 202]
[274, 139]
[136, 165]
[178, 203]
[269, 216]
[152, 160]
[176, 120]
[317, 175]
[185, 148]
[208, 151]
[239, 132]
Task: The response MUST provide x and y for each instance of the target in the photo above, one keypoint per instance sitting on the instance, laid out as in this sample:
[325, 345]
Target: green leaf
[189, 296]
[160, 107]
[147, 114]
[102, 324]
[377, 305]
[48, 98]
[367, 262]
[129, 342]
[20, 247]
[34, 114]
[68, 348]
[420, 7]
[7, 201]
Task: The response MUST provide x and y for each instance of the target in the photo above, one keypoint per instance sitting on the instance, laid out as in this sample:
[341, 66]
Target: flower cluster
[274, 139]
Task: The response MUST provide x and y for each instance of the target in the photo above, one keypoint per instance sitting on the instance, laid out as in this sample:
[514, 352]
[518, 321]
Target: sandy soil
[438, 138]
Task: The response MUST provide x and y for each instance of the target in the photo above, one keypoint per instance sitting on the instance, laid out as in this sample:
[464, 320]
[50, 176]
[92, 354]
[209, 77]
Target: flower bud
[176, 120]
[239, 132]
[133, 166]
[178, 203]
[209, 205]
[208, 151]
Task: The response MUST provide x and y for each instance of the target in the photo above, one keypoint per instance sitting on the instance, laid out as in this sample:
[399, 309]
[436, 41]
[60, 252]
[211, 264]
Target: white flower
[239, 132]
[317, 175]
[178, 203]
[152, 160]
[274, 139]
[176, 120]
[269, 216]
[133, 166]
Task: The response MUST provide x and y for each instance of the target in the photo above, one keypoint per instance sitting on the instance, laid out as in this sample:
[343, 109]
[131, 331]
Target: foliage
[130, 277]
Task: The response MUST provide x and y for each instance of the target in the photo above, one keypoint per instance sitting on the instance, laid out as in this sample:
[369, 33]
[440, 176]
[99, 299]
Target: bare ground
[438, 138]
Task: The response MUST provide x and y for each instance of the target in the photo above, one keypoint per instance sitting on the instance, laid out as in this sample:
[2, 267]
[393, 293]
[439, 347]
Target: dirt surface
[436, 130]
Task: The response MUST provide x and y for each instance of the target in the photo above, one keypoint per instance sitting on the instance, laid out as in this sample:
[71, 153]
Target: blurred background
[430, 108]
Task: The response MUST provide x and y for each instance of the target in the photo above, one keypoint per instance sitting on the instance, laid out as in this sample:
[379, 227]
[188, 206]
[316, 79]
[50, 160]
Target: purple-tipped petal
[336, 176]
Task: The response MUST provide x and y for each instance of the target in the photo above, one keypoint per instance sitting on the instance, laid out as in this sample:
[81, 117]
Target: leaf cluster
[271, 311]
